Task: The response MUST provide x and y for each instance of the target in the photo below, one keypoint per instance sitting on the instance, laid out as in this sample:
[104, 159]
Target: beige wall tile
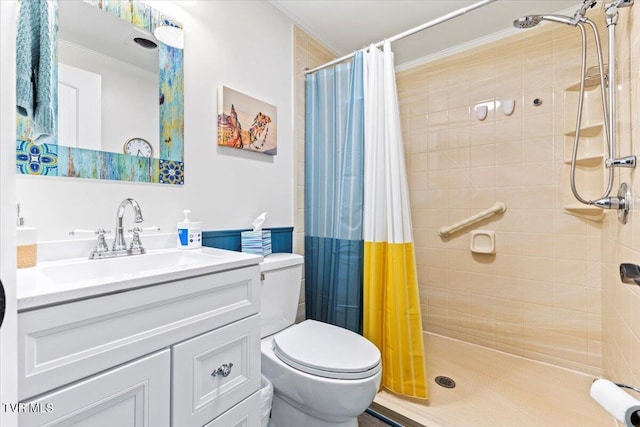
[483, 155]
[538, 296]
[538, 292]
[483, 177]
[538, 149]
[572, 297]
[539, 316]
[537, 268]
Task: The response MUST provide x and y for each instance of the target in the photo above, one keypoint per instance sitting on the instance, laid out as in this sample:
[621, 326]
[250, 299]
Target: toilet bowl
[322, 375]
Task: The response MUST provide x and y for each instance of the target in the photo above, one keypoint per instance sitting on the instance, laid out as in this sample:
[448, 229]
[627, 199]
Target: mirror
[107, 82]
[119, 98]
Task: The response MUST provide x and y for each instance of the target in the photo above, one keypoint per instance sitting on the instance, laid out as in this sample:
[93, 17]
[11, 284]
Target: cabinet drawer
[68, 342]
[244, 414]
[135, 394]
[199, 393]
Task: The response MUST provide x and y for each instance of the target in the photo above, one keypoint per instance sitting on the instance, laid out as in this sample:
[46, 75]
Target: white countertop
[55, 282]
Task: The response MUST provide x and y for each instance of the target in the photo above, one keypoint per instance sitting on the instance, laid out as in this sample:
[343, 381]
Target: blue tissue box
[256, 242]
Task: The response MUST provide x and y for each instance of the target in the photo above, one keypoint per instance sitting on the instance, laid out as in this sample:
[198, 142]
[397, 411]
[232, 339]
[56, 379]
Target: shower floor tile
[495, 389]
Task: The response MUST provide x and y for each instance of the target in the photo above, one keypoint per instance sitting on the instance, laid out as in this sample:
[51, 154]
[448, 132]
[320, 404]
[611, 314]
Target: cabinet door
[244, 414]
[215, 371]
[134, 395]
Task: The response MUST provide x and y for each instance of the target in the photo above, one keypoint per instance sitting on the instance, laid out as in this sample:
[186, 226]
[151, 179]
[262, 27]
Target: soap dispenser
[189, 233]
[26, 243]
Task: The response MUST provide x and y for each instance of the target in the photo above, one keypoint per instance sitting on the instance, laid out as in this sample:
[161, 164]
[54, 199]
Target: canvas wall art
[246, 123]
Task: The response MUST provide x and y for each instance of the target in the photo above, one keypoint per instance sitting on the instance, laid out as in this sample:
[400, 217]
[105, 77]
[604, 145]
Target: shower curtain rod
[414, 30]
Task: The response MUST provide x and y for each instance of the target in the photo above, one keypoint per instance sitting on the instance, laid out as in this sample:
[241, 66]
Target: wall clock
[138, 147]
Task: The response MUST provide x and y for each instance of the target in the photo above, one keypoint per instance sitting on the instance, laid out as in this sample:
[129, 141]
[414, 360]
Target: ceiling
[348, 25]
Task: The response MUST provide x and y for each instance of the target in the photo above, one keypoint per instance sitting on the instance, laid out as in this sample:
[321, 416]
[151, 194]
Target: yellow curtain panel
[391, 303]
[392, 315]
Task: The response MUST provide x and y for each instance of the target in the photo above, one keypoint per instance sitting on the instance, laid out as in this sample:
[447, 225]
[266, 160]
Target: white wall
[245, 45]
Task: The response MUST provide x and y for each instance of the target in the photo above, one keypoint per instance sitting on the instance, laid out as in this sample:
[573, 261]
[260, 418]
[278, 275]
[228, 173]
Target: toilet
[322, 375]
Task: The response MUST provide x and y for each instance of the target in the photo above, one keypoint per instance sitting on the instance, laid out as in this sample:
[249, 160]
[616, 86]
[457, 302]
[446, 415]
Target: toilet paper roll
[616, 401]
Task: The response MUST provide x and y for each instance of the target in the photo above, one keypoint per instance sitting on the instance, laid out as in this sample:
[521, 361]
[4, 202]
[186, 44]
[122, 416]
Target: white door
[79, 108]
[8, 330]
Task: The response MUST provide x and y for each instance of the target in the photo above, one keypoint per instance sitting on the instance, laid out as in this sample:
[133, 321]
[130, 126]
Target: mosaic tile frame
[51, 159]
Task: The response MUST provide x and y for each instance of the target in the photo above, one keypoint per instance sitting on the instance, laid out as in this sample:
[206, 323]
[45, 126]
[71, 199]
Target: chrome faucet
[119, 244]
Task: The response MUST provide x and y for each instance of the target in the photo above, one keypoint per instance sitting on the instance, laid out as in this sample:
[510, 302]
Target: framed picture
[246, 123]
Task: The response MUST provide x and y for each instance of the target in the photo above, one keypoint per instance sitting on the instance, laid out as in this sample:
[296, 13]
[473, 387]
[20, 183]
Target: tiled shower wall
[621, 243]
[308, 53]
[539, 296]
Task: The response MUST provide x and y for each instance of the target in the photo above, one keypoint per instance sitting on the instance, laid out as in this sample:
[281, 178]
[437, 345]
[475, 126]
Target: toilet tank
[280, 291]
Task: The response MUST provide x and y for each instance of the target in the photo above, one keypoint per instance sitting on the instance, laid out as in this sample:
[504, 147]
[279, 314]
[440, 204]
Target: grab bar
[498, 207]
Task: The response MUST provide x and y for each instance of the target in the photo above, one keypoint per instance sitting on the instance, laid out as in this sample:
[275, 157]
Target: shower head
[531, 21]
[528, 21]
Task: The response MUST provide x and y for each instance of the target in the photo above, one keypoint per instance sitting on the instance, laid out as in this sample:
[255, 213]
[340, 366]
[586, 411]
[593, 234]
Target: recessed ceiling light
[145, 43]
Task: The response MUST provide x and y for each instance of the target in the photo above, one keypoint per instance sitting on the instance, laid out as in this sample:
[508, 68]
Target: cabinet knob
[223, 370]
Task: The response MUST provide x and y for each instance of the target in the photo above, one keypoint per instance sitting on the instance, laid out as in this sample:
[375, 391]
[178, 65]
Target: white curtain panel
[387, 214]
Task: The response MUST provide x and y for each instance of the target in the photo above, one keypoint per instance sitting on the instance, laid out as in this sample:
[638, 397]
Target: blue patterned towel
[35, 65]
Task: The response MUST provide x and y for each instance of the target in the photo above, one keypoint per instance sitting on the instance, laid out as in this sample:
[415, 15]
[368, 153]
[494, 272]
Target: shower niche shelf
[588, 212]
[590, 170]
[588, 132]
[590, 149]
[588, 161]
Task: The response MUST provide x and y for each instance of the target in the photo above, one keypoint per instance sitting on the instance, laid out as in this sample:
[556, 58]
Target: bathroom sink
[127, 266]
[59, 281]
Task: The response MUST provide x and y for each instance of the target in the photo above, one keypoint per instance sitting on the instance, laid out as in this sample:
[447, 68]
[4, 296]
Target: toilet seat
[327, 351]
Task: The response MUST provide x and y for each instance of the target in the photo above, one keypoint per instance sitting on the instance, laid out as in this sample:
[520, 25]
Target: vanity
[168, 338]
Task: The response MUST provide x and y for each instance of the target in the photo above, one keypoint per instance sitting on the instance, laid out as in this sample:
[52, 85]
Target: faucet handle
[136, 244]
[102, 244]
[102, 249]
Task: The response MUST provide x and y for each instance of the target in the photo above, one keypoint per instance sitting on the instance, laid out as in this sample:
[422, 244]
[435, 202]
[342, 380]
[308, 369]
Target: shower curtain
[334, 165]
[360, 270]
[392, 319]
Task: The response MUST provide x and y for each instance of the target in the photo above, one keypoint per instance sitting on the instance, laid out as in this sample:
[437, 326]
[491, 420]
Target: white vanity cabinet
[181, 353]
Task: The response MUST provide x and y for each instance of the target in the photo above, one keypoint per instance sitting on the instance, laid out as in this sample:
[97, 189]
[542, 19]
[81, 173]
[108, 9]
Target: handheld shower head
[528, 21]
[531, 21]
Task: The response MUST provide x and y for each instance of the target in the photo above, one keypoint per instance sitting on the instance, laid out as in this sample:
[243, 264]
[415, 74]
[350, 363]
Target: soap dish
[483, 242]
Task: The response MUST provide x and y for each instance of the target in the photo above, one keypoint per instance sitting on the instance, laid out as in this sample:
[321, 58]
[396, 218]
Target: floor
[366, 420]
[494, 389]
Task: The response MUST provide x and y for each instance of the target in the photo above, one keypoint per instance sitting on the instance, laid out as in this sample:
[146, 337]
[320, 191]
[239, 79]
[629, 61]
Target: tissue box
[256, 242]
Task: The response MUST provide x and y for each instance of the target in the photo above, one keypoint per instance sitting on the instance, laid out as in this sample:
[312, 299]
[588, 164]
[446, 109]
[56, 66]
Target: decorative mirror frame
[52, 159]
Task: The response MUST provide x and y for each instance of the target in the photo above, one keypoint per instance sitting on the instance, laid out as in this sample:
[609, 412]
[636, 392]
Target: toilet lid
[327, 351]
